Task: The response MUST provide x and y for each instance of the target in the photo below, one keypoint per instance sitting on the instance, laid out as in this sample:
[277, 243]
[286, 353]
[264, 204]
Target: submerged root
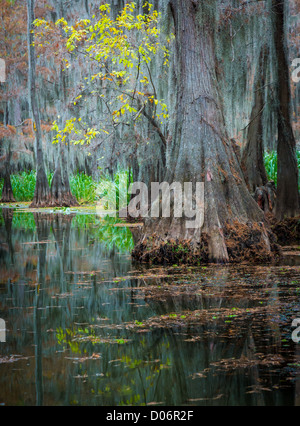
[250, 242]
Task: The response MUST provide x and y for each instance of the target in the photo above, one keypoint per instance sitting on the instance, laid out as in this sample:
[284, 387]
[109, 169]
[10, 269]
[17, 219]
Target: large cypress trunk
[201, 152]
[287, 204]
[42, 190]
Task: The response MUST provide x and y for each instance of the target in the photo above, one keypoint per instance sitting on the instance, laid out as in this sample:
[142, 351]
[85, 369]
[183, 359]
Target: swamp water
[87, 326]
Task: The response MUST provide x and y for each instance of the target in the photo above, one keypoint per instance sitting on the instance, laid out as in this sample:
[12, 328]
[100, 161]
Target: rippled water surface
[87, 326]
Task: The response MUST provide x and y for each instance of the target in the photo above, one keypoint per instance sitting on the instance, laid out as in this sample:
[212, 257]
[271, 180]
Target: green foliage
[123, 48]
[108, 189]
[271, 166]
[114, 236]
[22, 220]
[83, 187]
[23, 186]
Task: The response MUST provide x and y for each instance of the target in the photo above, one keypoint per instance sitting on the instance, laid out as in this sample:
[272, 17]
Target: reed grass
[271, 166]
[83, 187]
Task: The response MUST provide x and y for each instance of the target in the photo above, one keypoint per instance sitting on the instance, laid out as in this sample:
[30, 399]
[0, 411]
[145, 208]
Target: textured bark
[61, 194]
[60, 191]
[253, 155]
[7, 192]
[287, 204]
[42, 190]
[202, 152]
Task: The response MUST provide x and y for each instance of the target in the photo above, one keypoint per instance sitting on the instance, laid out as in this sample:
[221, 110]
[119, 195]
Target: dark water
[86, 326]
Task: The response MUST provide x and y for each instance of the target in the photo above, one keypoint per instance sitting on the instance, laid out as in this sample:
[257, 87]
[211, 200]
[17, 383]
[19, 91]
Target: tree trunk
[8, 220]
[60, 190]
[201, 152]
[253, 155]
[43, 224]
[42, 190]
[61, 194]
[287, 204]
[7, 192]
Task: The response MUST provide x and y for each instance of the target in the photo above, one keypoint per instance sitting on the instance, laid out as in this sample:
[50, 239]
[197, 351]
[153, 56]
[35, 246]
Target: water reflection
[88, 327]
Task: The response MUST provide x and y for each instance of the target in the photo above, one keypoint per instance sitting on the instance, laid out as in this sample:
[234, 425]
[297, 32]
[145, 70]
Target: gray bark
[288, 202]
[7, 192]
[42, 191]
[201, 149]
[253, 155]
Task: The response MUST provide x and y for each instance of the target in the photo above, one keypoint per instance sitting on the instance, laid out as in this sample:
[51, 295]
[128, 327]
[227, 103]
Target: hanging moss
[239, 35]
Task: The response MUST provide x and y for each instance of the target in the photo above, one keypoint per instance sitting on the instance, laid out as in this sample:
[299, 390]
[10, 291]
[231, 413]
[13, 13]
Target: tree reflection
[43, 224]
[108, 334]
[8, 218]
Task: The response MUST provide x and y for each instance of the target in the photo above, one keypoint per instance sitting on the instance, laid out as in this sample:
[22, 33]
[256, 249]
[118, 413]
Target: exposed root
[39, 203]
[250, 242]
[60, 191]
[63, 200]
[42, 191]
[7, 199]
[155, 250]
[287, 231]
[7, 192]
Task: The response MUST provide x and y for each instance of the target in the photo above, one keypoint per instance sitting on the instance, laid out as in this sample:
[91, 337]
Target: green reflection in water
[86, 326]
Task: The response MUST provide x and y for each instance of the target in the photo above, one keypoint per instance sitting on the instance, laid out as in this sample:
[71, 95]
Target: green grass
[23, 185]
[108, 189]
[271, 165]
[88, 191]
[83, 187]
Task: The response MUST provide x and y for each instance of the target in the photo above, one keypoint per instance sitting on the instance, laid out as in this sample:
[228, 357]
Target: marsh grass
[271, 166]
[83, 187]
[23, 185]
